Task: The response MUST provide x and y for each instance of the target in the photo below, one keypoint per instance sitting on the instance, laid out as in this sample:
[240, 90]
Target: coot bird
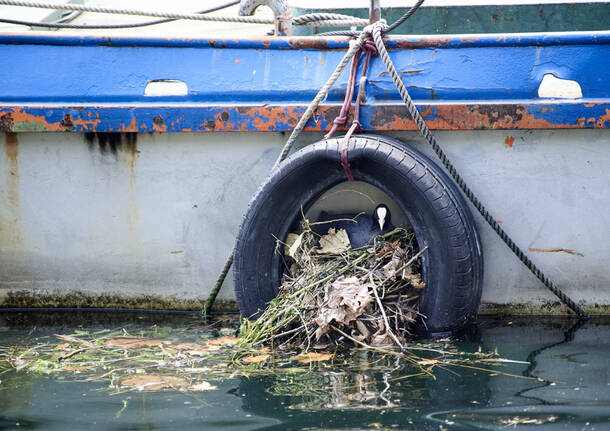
[360, 228]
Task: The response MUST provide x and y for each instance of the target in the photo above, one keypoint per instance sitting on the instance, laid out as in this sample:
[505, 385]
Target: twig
[72, 353]
[492, 371]
[75, 340]
[385, 318]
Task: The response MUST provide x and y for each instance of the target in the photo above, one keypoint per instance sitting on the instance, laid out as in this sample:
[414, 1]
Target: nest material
[331, 293]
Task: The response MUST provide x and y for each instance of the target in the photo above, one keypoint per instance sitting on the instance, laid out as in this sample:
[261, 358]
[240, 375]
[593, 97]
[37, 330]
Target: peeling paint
[19, 120]
[159, 124]
[246, 118]
[475, 117]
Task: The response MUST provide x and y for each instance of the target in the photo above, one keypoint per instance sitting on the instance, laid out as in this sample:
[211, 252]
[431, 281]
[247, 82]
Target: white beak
[381, 213]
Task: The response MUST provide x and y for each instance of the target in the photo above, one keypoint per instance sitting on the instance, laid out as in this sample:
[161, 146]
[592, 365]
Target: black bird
[360, 228]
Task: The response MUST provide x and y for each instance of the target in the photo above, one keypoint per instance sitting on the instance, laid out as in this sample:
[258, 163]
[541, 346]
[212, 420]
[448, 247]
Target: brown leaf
[382, 339]
[132, 343]
[62, 346]
[363, 329]
[222, 341]
[399, 258]
[75, 368]
[153, 382]
[306, 358]
[197, 349]
[335, 242]
[255, 359]
[346, 300]
[414, 279]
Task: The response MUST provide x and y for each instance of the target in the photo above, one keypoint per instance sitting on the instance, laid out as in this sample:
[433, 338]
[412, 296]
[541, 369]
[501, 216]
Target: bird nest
[333, 294]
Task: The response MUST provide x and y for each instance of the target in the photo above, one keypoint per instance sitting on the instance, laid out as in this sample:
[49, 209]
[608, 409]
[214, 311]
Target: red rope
[369, 48]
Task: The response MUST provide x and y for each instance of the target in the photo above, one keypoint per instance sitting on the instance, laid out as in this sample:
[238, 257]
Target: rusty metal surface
[283, 118]
[464, 82]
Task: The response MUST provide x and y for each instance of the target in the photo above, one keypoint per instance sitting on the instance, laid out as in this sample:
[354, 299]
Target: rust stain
[509, 141]
[159, 125]
[270, 118]
[555, 250]
[467, 117]
[67, 122]
[10, 227]
[17, 116]
[130, 151]
[604, 119]
[425, 42]
[131, 127]
[6, 122]
[313, 43]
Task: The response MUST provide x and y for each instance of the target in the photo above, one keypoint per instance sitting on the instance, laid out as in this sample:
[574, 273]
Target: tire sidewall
[451, 266]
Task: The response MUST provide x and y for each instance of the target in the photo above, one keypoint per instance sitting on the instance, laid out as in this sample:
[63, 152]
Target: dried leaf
[62, 346]
[334, 242]
[197, 349]
[363, 329]
[76, 368]
[399, 258]
[222, 341]
[293, 242]
[203, 386]
[255, 359]
[306, 358]
[346, 300]
[133, 343]
[414, 279]
[153, 382]
[382, 339]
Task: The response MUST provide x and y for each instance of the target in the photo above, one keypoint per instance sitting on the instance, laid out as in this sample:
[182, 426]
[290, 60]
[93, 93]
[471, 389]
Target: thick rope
[207, 306]
[403, 18]
[425, 131]
[158, 14]
[62, 24]
[329, 20]
[323, 19]
[354, 47]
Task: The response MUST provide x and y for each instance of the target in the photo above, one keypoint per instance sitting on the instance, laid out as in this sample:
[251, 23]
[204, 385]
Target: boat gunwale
[312, 42]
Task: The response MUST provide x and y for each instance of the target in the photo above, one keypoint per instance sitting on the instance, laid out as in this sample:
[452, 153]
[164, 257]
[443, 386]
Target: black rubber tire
[452, 267]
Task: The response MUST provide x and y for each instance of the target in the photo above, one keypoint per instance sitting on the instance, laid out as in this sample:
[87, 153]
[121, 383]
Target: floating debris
[195, 359]
[336, 295]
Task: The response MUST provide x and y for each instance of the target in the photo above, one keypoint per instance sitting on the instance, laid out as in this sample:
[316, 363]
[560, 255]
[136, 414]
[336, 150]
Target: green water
[564, 385]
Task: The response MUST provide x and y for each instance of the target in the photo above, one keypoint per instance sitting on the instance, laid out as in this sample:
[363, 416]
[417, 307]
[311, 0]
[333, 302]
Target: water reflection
[564, 383]
[568, 361]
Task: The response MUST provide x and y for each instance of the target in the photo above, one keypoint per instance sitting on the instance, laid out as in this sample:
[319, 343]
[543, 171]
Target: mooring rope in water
[327, 19]
[429, 137]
